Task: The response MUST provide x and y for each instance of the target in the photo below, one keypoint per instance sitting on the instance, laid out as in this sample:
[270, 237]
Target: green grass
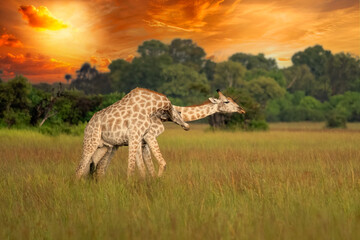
[286, 183]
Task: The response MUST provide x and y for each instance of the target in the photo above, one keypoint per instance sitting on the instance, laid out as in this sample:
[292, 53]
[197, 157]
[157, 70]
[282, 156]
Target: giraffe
[190, 113]
[125, 122]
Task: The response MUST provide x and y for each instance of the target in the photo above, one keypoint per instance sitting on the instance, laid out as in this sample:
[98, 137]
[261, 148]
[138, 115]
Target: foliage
[316, 58]
[318, 83]
[91, 81]
[228, 74]
[335, 119]
[186, 52]
[254, 61]
[183, 84]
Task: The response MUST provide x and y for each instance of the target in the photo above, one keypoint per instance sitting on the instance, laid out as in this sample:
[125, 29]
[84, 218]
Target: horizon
[44, 40]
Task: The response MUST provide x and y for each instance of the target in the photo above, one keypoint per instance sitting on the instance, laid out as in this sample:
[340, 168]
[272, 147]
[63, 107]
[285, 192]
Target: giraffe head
[173, 115]
[226, 104]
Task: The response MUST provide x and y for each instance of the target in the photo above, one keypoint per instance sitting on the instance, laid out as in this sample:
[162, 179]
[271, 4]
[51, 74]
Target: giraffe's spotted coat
[126, 122]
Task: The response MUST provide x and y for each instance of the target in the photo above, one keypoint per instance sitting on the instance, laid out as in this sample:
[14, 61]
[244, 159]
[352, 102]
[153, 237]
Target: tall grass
[278, 184]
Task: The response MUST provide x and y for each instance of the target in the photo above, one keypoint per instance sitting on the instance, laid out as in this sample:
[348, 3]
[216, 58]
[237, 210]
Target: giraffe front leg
[147, 159]
[154, 146]
[135, 155]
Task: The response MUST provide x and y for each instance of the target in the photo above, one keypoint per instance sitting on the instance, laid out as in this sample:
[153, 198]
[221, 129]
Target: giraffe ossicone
[135, 121]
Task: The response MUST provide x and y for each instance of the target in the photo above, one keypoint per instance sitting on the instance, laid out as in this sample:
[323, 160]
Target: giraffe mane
[148, 90]
[204, 103]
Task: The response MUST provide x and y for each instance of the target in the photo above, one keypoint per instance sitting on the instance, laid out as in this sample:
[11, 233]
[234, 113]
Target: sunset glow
[44, 40]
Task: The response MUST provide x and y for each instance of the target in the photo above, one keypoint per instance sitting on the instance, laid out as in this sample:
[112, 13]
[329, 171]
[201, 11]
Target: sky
[44, 40]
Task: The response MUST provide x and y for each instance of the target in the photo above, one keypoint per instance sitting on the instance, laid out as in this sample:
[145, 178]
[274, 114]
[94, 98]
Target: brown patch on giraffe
[136, 108]
[131, 101]
[118, 121]
[157, 97]
[117, 114]
[126, 123]
[160, 105]
[141, 117]
[110, 121]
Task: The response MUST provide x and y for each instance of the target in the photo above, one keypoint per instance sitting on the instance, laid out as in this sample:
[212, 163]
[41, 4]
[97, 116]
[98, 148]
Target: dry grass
[280, 184]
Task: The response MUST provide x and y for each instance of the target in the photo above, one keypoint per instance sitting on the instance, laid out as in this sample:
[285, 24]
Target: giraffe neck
[193, 113]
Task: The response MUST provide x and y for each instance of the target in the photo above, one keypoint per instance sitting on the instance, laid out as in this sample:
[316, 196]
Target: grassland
[292, 182]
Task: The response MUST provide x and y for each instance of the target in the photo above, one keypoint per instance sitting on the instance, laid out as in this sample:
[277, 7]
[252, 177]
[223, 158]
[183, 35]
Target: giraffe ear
[214, 100]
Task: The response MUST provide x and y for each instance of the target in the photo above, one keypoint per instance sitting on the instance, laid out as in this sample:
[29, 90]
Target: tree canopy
[318, 86]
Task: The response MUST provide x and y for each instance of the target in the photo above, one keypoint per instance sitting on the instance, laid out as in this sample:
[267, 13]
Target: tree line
[318, 86]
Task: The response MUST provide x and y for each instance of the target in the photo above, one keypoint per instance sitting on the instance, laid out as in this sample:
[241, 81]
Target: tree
[254, 61]
[264, 89]
[67, 78]
[186, 52]
[89, 80]
[228, 74]
[146, 72]
[209, 69]
[300, 78]
[183, 85]
[344, 73]
[152, 48]
[119, 75]
[15, 102]
[315, 58]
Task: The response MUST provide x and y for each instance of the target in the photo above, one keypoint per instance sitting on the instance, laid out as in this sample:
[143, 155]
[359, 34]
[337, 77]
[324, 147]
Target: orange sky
[44, 40]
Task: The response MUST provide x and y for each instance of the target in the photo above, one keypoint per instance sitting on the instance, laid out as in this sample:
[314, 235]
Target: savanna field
[295, 181]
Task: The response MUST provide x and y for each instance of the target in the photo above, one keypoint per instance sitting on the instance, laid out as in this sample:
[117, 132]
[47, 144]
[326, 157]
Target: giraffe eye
[226, 102]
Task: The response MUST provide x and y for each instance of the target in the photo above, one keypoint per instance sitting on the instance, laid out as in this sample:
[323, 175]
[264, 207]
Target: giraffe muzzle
[241, 111]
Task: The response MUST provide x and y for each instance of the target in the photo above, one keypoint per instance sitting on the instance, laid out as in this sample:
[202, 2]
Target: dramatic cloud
[9, 40]
[41, 18]
[36, 67]
[102, 30]
[101, 63]
[182, 15]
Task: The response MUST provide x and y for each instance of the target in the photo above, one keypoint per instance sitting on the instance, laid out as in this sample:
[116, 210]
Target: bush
[335, 119]
[63, 128]
[257, 125]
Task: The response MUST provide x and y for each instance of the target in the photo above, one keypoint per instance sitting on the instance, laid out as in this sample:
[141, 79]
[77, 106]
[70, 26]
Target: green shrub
[335, 119]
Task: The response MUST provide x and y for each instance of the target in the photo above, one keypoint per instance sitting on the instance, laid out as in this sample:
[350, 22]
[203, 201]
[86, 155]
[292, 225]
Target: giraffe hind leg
[147, 159]
[96, 157]
[135, 156]
[104, 163]
[154, 146]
